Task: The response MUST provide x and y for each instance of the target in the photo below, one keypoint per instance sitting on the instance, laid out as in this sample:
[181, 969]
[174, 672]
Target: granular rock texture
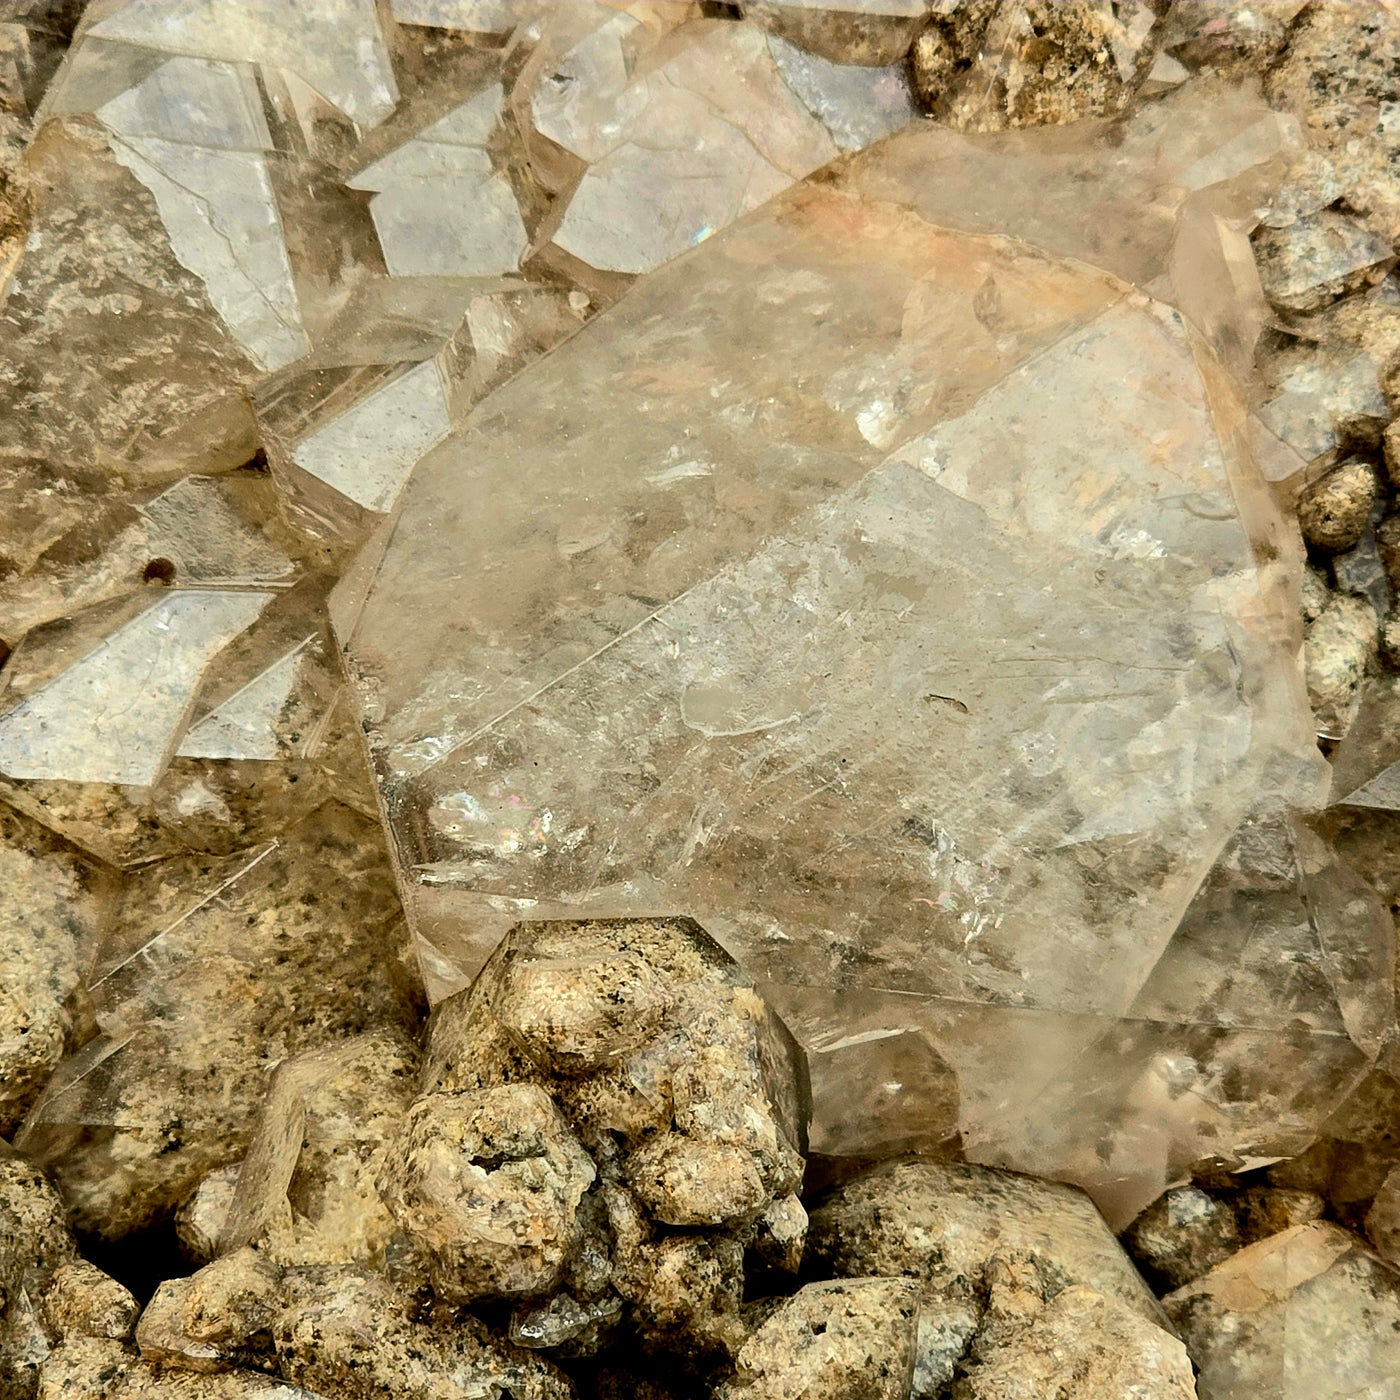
[83, 1301]
[48, 929]
[849, 1340]
[35, 1243]
[1078, 1343]
[345, 1331]
[943, 1221]
[600, 1085]
[984, 66]
[1334, 510]
[489, 1185]
[1180, 1236]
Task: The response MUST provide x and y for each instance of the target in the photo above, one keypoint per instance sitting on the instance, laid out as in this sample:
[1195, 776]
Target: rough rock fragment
[1337, 74]
[944, 1221]
[1312, 262]
[661, 1039]
[49, 929]
[984, 67]
[685, 1294]
[489, 1185]
[345, 1331]
[1308, 1314]
[1262, 1211]
[849, 1340]
[34, 1243]
[1337, 649]
[1082, 1344]
[1180, 1236]
[200, 1218]
[217, 1318]
[83, 1301]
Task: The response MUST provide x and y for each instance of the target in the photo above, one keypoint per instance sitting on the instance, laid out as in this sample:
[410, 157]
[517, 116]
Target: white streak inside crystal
[439, 208]
[368, 452]
[219, 210]
[245, 725]
[112, 716]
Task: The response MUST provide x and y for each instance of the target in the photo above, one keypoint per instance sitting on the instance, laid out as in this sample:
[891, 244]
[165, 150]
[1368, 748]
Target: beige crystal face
[918, 633]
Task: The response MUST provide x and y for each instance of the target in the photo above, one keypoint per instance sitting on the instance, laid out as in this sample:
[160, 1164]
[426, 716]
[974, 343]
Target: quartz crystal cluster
[690, 693]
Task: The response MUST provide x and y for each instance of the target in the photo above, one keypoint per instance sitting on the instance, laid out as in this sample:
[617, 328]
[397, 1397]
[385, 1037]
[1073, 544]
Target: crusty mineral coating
[714, 1056]
[34, 1242]
[1262, 1211]
[1337, 649]
[1340, 65]
[34, 1234]
[40, 917]
[989, 66]
[943, 1221]
[216, 1319]
[1313, 261]
[685, 1182]
[1181, 1235]
[346, 1332]
[489, 1184]
[576, 1015]
[82, 1301]
[849, 1340]
[84, 1368]
[1083, 1344]
[686, 1293]
[1333, 511]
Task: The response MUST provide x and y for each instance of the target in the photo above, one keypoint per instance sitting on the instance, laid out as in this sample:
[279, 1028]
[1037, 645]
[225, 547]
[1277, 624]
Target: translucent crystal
[111, 716]
[336, 46]
[841, 637]
[215, 967]
[210, 180]
[439, 207]
[367, 452]
[677, 153]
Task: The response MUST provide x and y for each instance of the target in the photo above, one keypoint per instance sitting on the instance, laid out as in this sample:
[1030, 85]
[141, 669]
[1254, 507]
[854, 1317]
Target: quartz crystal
[858, 652]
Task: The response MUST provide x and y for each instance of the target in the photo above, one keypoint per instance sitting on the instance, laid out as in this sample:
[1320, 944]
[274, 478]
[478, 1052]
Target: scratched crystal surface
[928, 635]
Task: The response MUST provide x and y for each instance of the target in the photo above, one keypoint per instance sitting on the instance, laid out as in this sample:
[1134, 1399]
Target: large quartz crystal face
[924, 633]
